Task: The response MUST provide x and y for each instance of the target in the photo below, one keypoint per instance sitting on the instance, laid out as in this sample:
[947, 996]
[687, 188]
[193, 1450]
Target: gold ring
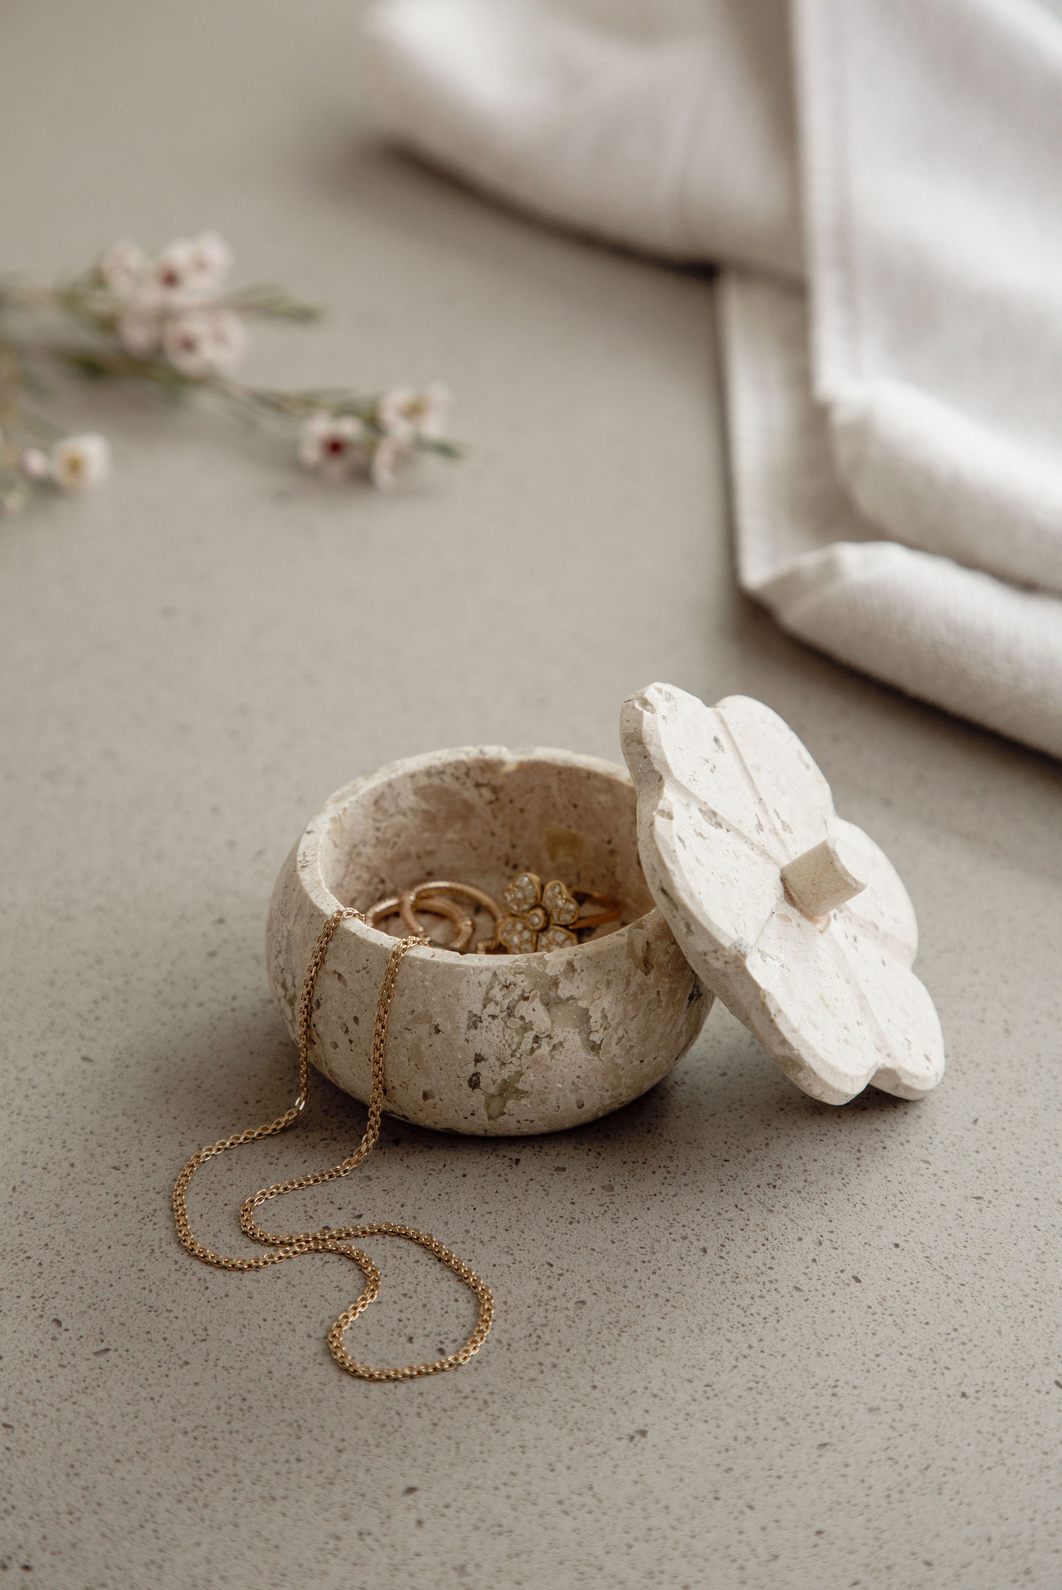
[611, 911]
[434, 905]
[412, 900]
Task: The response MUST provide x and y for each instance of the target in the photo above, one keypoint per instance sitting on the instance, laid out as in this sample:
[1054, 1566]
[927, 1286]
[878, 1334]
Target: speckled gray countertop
[743, 1339]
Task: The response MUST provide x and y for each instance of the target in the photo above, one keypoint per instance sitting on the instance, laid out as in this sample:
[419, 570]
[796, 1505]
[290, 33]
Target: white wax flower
[192, 267]
[165, 321]
[403, 411]
[203, 342]
[80, 462]
[333, 445]
[124, 267]
[389, 454]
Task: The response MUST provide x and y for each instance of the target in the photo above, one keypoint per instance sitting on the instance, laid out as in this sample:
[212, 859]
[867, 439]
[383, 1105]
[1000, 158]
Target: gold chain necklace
[331, 1239]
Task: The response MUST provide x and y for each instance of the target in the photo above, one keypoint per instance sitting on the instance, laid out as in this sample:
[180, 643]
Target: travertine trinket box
[485, 1044]
[736, 877]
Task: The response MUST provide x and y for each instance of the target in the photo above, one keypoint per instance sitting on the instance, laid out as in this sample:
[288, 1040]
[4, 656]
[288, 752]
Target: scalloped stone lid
[792, 916]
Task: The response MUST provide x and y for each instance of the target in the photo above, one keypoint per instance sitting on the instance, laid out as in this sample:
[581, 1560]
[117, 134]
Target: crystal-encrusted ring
[547, 916]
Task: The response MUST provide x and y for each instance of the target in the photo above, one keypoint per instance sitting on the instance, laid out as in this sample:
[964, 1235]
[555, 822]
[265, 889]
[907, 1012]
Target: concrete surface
[743, 1339]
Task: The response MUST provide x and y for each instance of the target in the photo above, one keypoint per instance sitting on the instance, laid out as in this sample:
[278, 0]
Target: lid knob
[823, 878]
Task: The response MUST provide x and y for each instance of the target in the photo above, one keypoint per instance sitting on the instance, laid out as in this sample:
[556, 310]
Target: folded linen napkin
[895, 430]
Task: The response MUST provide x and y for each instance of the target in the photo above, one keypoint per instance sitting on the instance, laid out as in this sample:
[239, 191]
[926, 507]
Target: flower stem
[10, 403]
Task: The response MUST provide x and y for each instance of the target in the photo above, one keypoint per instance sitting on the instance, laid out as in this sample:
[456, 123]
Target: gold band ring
[434, 905]
[611, 911]
[414, 900]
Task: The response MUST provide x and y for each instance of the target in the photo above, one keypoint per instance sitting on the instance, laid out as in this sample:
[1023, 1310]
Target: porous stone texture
[485, 1044]
[728, 800]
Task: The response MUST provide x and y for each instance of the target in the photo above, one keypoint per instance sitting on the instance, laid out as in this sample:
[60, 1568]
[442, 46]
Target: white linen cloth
[895, 424]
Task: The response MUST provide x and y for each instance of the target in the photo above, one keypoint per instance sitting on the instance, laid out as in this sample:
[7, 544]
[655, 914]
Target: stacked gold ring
[435, 905]
[414, 900]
